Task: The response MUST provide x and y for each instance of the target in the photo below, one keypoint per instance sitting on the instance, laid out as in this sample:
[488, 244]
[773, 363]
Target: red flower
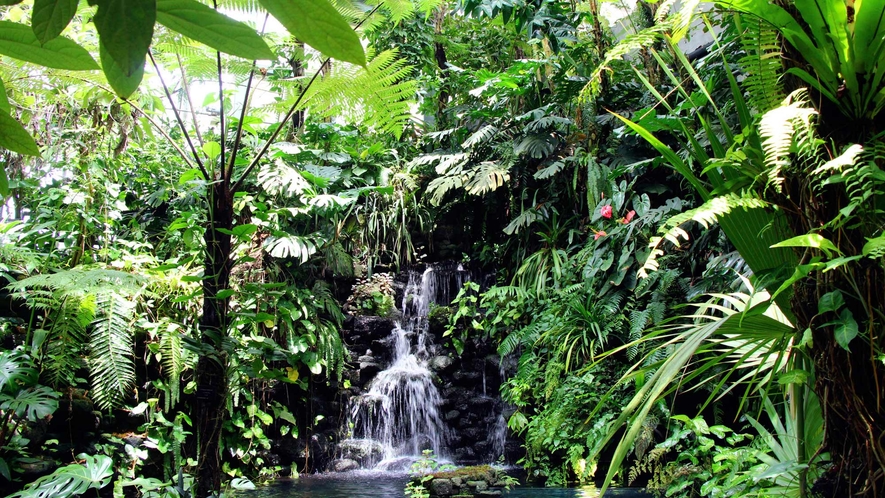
[629, 217]
[600, 233]
[606, 212]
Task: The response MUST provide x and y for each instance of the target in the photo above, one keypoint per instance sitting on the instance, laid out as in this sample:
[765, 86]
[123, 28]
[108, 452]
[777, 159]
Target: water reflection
[365, 484]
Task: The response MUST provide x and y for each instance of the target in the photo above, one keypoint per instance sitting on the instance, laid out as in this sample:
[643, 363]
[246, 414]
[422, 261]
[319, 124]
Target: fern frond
[762, 64]
[780, 128]
[379, 96]
[631, 43]
[173, 361]
[706, 214]
[79, 281]
[524, 336]
[112, 369]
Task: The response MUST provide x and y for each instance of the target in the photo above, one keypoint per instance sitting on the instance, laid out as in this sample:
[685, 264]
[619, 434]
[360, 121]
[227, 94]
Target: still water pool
[389, 485]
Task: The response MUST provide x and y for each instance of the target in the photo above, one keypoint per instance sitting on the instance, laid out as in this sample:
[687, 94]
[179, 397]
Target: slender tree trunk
[209, 402]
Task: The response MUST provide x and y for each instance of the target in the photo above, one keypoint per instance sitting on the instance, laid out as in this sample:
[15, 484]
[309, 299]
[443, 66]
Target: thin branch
[254, 163]
[276, 132]
[187, 136]
[229, 172]
[144, 113]
[190, 102]
[223, 136]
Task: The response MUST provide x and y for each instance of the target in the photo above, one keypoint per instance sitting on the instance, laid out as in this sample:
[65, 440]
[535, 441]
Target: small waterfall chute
[400, 412]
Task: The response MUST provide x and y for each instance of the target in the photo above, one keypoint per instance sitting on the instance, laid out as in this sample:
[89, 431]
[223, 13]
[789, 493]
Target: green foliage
[371, 296]
[75, 301]
[71, 480]
[845, 56]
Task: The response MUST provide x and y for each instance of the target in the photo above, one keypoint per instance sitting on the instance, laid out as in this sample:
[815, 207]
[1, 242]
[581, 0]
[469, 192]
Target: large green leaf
[125, 85]
[19, 42]
[14, 137]
[16, 371]
[4, 99]
[50, 17]
[318, 24]
[126, 28]
[207, 26]
[36, 403]
[71, 480]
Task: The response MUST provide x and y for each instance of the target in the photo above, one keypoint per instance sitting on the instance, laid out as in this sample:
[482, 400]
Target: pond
[366, 484]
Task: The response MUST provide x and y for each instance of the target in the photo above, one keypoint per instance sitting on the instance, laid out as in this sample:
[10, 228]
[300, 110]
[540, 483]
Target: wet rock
[345, 465]
[441, 487]
[360, 449]
[373, 327]
[441, 363]
[467, 378]
[478, 486]
[36, 467]
[452, 415]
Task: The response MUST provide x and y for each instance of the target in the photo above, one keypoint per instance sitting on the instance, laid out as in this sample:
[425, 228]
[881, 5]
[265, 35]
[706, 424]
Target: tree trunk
[209, 402]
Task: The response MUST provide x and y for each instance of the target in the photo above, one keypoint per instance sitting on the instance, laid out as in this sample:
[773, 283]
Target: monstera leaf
[16, 371]
[71, 480]
[35, 403]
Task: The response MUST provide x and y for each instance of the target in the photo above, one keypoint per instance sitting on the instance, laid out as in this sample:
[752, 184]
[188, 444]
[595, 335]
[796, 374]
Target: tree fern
[112, 369]
[379, 96]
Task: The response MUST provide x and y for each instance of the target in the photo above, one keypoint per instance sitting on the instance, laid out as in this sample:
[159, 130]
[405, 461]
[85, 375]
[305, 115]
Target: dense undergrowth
[687, 242]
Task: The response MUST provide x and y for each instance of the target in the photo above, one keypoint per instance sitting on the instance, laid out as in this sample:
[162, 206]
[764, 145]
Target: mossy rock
[472, 473]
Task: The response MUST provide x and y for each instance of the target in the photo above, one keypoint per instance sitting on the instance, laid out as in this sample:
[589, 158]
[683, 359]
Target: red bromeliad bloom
[598, 234]
[606, 212]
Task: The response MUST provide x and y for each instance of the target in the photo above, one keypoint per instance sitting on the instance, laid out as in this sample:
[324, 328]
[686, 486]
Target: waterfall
[399, 415]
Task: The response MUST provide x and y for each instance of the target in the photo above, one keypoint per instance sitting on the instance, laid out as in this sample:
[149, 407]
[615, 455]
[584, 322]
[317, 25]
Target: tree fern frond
[112, 367]
[379, 96]
[80, 281]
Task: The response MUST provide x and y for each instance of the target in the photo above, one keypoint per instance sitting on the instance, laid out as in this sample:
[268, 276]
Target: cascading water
[399, 416]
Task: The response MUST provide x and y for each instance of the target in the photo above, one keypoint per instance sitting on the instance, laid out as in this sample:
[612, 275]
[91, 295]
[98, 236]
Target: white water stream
[401, 409]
